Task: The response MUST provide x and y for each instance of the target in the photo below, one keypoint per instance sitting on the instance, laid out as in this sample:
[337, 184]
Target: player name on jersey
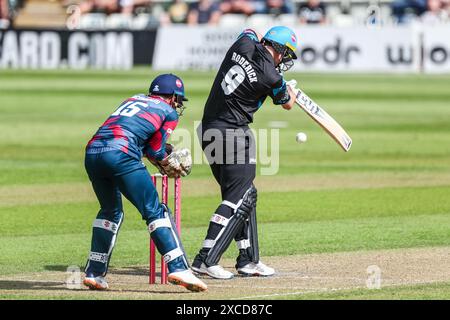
[251, 74]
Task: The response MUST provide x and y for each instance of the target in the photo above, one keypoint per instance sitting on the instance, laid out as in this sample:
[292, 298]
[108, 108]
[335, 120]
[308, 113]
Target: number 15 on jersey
[129, 109]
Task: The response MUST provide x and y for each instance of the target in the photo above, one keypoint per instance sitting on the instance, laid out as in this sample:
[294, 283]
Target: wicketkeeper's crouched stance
[250, 72]
[139, 127]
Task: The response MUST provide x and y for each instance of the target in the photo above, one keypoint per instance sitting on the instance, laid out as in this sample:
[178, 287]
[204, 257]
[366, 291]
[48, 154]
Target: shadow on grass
[132, 271]
[124, 271]
[57, 267]
[61, 288]
[129, 271]
[117, 287]
[30, 285]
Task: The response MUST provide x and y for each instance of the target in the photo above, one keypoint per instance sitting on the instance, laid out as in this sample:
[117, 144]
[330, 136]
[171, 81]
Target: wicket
[177, 218]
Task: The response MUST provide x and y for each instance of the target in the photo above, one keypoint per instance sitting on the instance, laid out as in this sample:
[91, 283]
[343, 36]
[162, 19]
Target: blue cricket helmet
[281, 38]
[168, 84]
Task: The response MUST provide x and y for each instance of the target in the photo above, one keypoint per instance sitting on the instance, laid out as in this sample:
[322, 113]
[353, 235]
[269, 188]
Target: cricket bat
[319, 115]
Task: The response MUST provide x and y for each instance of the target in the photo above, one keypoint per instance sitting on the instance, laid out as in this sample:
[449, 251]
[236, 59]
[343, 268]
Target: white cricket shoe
[216, 272]
[95, 282]
[256, 269]
[188, 280]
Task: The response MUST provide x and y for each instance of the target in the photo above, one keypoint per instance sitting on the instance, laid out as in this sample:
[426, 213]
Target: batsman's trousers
[232, 160]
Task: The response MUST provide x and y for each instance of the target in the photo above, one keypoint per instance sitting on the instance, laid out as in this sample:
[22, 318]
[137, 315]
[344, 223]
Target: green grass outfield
[392, 190]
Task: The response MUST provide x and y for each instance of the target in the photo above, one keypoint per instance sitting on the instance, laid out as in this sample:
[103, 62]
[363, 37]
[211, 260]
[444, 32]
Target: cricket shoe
[256, 269]
[95, 282]
[216, 272]
[188, 280]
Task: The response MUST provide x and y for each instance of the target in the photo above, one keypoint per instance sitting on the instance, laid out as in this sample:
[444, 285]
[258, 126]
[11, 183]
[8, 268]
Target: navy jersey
[246, 77]
[139, 127]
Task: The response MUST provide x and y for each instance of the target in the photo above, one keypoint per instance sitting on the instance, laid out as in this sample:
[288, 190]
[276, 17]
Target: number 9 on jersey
[234, 77]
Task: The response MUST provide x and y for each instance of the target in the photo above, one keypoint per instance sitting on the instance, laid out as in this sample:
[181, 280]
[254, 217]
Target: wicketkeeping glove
[176, 164]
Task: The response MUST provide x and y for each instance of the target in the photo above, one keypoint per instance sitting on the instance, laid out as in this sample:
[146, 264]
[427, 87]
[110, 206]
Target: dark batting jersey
[246, 77]
[139, 127]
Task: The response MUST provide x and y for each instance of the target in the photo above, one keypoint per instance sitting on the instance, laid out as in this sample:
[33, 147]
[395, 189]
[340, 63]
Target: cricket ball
[301, 137]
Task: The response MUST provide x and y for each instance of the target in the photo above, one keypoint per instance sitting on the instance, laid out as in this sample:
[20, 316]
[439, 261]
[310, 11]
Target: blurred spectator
[106, 6]
[436, 12]
[4, 9]
[446, 4]
[405, 11]
[279, 6]
[178, 11]
[126, 6]
[239, 6]
[313, 12]
[259, 6]
[204, 11]
[144, 6]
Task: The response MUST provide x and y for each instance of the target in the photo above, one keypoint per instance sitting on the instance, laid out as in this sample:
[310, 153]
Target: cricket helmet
[168, 84]
[284, 41]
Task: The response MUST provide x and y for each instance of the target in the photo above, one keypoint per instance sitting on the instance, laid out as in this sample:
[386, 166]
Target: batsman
[138, 128]
[251, 71]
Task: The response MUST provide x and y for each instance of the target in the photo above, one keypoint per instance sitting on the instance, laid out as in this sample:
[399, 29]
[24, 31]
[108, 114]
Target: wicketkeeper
[250, 72]
[138, 128]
